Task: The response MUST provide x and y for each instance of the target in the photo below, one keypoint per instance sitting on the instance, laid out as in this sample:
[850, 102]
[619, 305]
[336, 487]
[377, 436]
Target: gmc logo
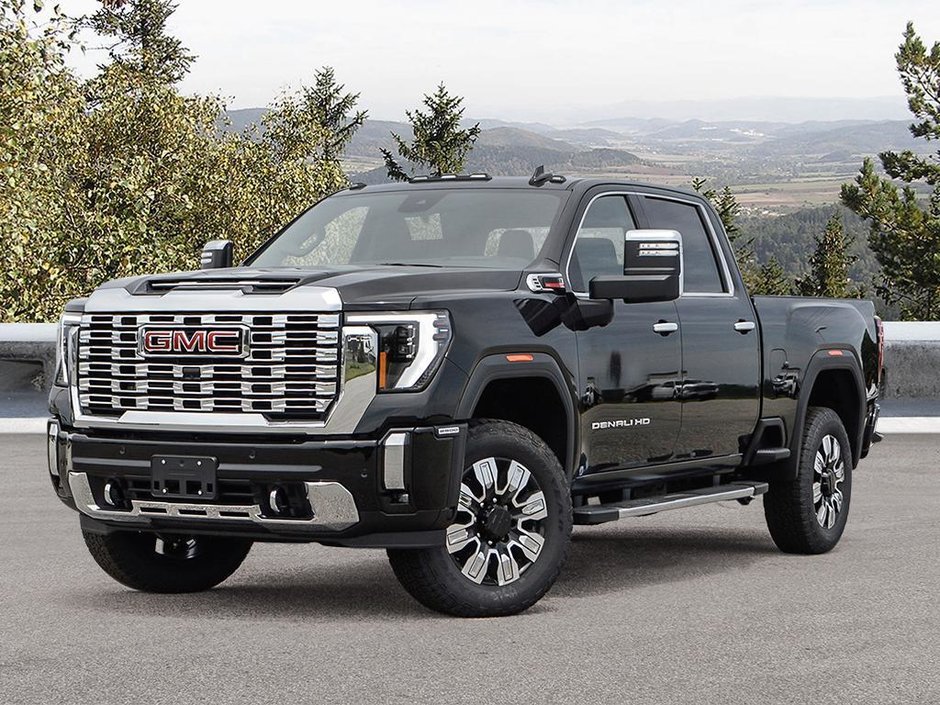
[193, 341]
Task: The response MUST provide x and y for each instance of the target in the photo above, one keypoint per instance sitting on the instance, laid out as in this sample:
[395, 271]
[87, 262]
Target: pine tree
[829, 265]
[140, 45]
[771, 280]
[905, 230]
[440, 145]
[333, 109]
[726, 205]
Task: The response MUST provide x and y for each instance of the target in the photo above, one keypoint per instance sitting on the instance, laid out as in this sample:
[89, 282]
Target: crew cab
[456, 369]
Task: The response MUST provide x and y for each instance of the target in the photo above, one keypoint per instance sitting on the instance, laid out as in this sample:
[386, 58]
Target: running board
[603, 513]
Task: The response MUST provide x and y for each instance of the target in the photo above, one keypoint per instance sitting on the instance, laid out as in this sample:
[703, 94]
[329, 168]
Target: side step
[602, 513]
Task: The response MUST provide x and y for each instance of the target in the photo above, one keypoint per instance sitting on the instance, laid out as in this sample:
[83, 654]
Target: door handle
[665, 327]
[744, 327]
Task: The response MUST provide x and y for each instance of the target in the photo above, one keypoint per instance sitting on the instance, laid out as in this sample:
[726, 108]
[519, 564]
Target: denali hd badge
[228, 342]
[619, 423]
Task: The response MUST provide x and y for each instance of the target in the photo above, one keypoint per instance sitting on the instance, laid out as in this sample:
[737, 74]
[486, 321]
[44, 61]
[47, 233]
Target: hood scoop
[248, 285]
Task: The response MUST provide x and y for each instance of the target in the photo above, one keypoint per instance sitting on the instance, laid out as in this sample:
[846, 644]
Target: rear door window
[701, 270]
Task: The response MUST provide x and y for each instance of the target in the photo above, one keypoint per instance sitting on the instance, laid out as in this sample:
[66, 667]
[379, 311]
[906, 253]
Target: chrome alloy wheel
[498, 532]
[828, 474]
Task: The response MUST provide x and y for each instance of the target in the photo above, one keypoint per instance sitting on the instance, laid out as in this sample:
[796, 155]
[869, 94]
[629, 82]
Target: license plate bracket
[183, 477]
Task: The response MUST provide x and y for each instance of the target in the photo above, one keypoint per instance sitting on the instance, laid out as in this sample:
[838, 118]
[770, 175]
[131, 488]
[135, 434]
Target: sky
[557, 61]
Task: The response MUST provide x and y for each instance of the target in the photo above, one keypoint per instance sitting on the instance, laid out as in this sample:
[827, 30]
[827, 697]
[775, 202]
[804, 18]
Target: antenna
[540, 176]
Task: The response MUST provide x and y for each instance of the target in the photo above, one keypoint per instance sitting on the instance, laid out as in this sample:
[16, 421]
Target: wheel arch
[532, 393]
[834, 380]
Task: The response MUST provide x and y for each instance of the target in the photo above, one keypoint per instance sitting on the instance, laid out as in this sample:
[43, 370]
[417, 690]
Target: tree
[332, 108]
[315, 121]
[124, 174]
[905, 228]
[440, 145]
[829, 265]
[140, 46]
[724, 203]
[771, 280]
[768, 279]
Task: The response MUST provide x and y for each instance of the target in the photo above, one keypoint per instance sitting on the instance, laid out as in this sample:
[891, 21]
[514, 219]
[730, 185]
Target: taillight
[880, 328]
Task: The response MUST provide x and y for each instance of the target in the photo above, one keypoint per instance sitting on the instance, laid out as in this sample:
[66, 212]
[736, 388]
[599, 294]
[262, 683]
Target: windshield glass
[487, 227]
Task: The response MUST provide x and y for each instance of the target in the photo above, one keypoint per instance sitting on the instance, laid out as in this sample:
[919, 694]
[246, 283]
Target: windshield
[488, 227]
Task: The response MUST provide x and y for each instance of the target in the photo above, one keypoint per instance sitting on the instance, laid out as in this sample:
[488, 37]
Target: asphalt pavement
[693, 606]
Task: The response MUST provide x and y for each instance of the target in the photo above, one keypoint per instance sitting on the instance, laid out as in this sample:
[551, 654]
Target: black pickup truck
[455, 369]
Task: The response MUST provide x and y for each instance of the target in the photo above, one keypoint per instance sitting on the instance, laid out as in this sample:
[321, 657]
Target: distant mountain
[855, 139]
[757, 108]
[517, 137]
[241, 119]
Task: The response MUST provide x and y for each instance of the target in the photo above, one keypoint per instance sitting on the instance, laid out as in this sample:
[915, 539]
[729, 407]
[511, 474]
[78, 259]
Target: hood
[358, 286]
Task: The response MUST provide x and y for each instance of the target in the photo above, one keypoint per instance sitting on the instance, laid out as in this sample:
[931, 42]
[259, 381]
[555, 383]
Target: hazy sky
[528, 59]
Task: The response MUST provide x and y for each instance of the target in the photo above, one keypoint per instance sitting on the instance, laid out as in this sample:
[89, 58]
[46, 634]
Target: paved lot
[693, 606]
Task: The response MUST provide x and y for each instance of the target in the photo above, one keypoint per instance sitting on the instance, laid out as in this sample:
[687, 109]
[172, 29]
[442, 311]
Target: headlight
[411, 346]
[66, 349]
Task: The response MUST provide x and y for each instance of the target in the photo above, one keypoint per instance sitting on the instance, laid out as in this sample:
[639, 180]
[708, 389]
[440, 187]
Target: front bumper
[397, 490]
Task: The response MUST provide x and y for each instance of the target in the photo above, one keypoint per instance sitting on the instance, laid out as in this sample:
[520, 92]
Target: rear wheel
[169, 564]
[510, 536]
[808, 514]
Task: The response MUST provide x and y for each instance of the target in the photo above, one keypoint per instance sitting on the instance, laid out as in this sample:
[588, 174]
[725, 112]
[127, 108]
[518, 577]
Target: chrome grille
[291, 369]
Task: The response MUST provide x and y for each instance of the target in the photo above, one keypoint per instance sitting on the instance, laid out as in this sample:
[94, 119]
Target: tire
[146, 562]
[528, 490]
[808, 514]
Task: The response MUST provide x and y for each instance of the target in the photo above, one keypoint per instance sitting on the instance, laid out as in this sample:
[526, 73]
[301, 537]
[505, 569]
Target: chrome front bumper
[334, 509]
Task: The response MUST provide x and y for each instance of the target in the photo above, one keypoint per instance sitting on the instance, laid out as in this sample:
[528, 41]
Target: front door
[629, 370]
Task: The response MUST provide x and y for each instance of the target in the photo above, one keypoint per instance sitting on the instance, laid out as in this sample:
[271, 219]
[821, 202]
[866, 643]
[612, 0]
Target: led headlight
[411, 346]
[66, 349]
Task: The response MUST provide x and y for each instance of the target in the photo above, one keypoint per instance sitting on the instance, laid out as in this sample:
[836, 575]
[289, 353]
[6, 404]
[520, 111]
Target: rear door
[629, 369]
[720, 380]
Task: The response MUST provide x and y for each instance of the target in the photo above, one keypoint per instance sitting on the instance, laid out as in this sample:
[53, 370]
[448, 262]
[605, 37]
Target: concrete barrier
[24, 346]
[912, 357]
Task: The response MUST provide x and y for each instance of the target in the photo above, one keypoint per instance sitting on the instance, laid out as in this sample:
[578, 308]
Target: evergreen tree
[440, 145]
[905, 229]
[728, 209]
[315, 122]
[771, 280]
[130, 175]
[829, 265]
[138, 43]
[724, 202]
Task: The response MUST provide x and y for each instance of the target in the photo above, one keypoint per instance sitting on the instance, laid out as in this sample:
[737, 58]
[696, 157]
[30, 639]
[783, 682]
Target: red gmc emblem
[193, 341]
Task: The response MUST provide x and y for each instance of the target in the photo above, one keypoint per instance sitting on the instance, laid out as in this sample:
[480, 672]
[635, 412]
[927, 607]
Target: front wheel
[808, 514]
[511, 533]
[167, 564]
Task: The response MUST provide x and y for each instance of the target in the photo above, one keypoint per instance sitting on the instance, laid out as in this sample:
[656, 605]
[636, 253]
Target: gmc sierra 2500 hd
[456, 369]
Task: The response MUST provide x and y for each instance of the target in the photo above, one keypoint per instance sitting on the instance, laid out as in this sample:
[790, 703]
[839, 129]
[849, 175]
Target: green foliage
[724, 202]
[123, 175]
[316, 121]
[829, 265]
[905, 231]
[761, 280]
[771, 280]
[440, 145]
[139, 47]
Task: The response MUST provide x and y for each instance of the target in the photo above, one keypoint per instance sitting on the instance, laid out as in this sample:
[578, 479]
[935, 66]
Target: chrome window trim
[725, 271]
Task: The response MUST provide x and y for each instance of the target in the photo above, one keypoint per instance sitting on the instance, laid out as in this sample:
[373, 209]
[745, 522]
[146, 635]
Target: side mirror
[217, 254]
[652, 269]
